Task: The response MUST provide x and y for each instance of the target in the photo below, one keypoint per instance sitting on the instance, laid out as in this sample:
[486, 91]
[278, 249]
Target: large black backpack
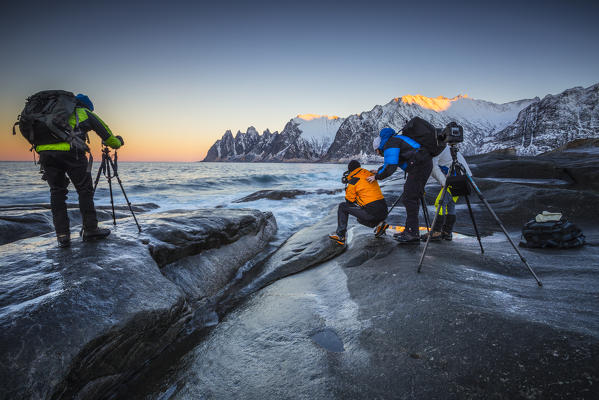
[45, 119]
[425, 134]
[560, 234]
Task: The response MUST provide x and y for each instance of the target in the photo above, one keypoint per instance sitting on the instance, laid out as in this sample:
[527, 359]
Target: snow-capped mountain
[551, 123]
[480, 119]
[531, 126]
[306, 137]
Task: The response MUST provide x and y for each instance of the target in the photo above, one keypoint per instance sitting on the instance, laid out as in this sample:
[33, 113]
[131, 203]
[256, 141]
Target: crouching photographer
[363, 199]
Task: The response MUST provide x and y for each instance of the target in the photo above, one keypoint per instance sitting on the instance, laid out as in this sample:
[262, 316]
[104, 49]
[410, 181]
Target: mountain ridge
[529, 126]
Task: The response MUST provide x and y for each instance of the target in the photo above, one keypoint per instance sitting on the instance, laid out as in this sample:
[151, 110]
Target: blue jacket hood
[85, 101]
[385, 134]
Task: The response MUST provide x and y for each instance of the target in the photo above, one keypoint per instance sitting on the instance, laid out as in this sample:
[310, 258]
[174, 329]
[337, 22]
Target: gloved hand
[113, 142]
[119, 137]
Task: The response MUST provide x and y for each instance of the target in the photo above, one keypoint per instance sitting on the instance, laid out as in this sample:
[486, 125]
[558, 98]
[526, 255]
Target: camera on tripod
[451, 134]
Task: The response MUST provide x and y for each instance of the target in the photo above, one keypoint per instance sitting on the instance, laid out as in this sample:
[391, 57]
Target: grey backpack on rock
[552, 234]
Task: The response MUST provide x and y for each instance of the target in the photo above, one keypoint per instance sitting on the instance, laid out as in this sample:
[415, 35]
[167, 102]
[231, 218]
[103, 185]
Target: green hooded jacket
[88, 121]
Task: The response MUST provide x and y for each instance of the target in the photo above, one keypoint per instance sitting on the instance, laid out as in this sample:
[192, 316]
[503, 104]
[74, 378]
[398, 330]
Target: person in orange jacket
[363, 199]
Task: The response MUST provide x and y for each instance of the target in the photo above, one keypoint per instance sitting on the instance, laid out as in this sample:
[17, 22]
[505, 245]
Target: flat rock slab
[22, 221]
[76, 322]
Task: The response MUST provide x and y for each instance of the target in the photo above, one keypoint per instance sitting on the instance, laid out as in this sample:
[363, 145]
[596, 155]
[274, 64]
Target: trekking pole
[425, 213]
[393, 205]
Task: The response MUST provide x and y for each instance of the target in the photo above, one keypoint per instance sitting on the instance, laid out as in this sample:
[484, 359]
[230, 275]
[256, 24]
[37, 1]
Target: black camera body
[344, 178]
[451, 134]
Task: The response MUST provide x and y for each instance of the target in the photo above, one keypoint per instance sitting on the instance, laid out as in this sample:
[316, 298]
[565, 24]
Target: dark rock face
[23, 221]
[272, 195]
[250, 146]
[306, 248]
[518, 188]
[551, 123]
[282, 194]
[77, 322]
[468, 326]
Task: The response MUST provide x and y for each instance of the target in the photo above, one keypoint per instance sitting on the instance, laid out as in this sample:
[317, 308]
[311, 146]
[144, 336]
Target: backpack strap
[409, 141]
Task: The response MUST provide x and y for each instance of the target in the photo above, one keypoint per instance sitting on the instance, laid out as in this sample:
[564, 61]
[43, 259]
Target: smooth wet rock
[77, 322]
[272, 195]
[468, 326]
[329, 340]
[28, 220]
[306, 248]
[204, 273]
[282, 194]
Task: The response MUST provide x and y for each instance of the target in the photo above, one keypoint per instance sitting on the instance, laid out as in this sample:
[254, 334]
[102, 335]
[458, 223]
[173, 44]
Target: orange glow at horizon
[138, 147]
[439, 103]
[310, 117]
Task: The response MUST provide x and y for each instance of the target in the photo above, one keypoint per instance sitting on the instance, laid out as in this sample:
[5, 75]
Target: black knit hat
[353, 164]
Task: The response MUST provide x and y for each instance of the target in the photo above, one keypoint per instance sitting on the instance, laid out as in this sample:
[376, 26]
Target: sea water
[197, 185]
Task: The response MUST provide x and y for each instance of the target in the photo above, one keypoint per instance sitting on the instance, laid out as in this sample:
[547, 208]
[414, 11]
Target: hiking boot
[337, 238]
[448, 227]
[435, 236]
[407, 237]
[446, 236]
[95, 234]
[381, 229]
[64, 240]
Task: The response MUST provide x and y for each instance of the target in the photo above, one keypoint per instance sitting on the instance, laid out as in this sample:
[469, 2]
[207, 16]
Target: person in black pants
[404, 152]
[59, 160]
[363, 199]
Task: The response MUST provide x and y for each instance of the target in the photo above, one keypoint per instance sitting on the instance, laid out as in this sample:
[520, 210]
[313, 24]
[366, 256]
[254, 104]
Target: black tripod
[105, 168]
[460, 183]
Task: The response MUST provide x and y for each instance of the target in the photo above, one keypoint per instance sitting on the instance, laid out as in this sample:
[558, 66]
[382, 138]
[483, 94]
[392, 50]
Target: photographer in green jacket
[59, 160]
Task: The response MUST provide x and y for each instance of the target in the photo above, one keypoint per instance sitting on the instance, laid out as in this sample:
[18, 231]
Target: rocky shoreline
[77, 323]
[99, 319]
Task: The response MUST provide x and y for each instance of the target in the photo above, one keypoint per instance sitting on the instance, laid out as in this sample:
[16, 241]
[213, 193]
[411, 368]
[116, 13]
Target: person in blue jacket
[405, 153]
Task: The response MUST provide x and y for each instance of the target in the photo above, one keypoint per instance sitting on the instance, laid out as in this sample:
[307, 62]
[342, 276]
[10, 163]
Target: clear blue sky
[187, 71]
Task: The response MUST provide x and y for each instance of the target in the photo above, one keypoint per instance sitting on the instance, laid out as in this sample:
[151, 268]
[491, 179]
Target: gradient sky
[171, 77]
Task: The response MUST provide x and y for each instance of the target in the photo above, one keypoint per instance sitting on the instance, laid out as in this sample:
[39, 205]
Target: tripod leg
[98, 175]
[116, 175]
[428, 239]
[482, 251]
[482, 198]
[111, 196]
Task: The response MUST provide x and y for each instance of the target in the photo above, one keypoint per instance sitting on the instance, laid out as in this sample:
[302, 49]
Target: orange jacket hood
[359, 190]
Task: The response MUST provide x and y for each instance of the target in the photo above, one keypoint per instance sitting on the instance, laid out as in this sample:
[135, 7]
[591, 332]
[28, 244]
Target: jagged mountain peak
[550, 123]
[529, 125]
[439, 103]
[310, 117]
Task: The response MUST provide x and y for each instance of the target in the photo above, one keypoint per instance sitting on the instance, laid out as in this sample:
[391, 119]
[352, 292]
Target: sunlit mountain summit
[529, 126]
